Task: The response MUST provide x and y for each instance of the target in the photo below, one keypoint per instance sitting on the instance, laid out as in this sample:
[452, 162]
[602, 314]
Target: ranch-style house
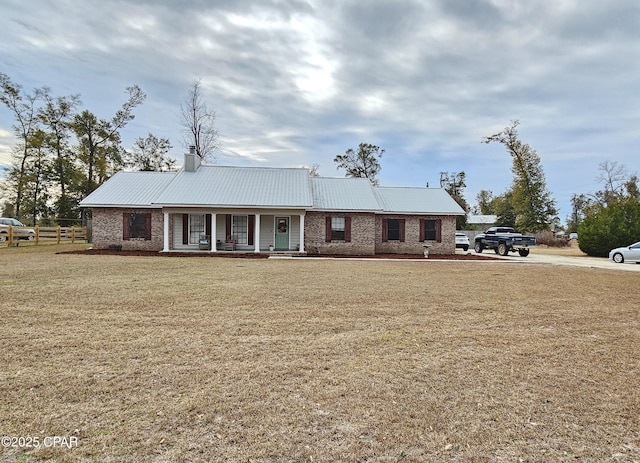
[211, 208]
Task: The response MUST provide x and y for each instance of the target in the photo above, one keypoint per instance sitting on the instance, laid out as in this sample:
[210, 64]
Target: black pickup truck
[503, 240]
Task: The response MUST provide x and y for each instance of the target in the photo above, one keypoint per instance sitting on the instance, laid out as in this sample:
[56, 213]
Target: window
[239, 228]
[337, 228]
[430, 230]
[136, 226]
[197, 227]
[393, 229]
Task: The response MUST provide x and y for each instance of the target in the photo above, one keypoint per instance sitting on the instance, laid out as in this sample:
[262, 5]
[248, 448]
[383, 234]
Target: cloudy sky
[295, 82]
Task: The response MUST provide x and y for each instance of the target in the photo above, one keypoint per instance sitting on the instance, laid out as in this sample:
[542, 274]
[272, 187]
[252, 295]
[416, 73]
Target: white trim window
[337, 228]
[197, 227]
[240, 229]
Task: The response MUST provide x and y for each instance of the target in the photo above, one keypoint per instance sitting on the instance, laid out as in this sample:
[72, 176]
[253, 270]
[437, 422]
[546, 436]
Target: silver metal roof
[238, 187]
[259, 187]
[482, 219]
[407, 200]
[343, 194]
[129, 189]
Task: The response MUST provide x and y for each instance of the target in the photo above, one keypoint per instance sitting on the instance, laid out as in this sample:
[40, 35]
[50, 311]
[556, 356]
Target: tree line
[606, 219]
[63, 152]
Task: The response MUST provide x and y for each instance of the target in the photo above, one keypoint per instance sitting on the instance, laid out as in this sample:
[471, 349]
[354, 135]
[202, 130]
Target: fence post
[73, 234]
[37, 234]
[58, 234]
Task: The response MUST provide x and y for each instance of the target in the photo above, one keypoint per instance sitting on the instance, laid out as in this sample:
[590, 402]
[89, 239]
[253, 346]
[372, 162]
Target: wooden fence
[42, 235]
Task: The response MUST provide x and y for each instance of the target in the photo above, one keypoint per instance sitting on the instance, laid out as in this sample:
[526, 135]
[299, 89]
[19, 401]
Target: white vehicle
[626, 254]
[22, 232]
[462, 241]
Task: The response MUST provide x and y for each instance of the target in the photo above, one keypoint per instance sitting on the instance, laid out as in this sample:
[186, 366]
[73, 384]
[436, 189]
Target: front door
[282, 233]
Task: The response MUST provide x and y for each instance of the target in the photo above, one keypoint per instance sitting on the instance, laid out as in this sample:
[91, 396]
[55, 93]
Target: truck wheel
[523, 252]
[503, 249]
[496, 250]
[478, 247]
[465, 248]
[3, 237]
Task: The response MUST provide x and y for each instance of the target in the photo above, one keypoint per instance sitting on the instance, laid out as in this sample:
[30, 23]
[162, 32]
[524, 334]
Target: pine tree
[532, 203]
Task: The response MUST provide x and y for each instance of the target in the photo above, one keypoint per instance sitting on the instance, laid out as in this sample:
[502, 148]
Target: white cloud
[7, 140]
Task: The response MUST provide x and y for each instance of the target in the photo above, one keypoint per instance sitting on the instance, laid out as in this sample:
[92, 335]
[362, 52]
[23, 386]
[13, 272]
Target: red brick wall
[107, 229]
[362, 234]
[412, 243]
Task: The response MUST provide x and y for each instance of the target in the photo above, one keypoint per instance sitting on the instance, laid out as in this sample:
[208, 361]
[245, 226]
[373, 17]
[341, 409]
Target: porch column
[165, 238]
[214, 247]
[301, 232]
[256, 233]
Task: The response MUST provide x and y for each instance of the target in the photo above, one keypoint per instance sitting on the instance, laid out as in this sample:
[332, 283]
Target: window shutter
[439, 230]
[347, 229]
[147, 227]
[327, 230]
[251, 229]
[401, 224]
[207, 226]
[384, 230]
[422, 227]
[185, 228]
[228, 226]
[125, 226]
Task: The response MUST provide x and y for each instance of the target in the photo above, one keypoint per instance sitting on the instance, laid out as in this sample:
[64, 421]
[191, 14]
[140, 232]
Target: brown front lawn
[260, 360]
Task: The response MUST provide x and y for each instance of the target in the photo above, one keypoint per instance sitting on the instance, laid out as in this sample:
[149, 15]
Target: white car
[22, 232]
[626, 254]
[462, 241]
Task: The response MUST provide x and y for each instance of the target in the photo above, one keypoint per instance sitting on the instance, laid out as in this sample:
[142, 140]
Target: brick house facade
[108, 225]
[413, 242]
[361, 242]
[254, 208]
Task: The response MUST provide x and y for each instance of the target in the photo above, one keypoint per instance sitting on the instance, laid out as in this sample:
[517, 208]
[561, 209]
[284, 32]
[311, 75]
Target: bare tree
[198, 122]
[613, 177]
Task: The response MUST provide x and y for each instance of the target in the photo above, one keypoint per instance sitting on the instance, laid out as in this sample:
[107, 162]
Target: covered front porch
[233, 231]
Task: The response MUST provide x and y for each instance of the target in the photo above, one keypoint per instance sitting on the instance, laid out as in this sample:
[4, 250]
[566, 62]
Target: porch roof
[238, 187]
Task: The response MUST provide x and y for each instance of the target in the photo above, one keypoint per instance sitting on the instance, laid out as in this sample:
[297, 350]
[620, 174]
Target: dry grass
[572, 250]
[251, 360]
